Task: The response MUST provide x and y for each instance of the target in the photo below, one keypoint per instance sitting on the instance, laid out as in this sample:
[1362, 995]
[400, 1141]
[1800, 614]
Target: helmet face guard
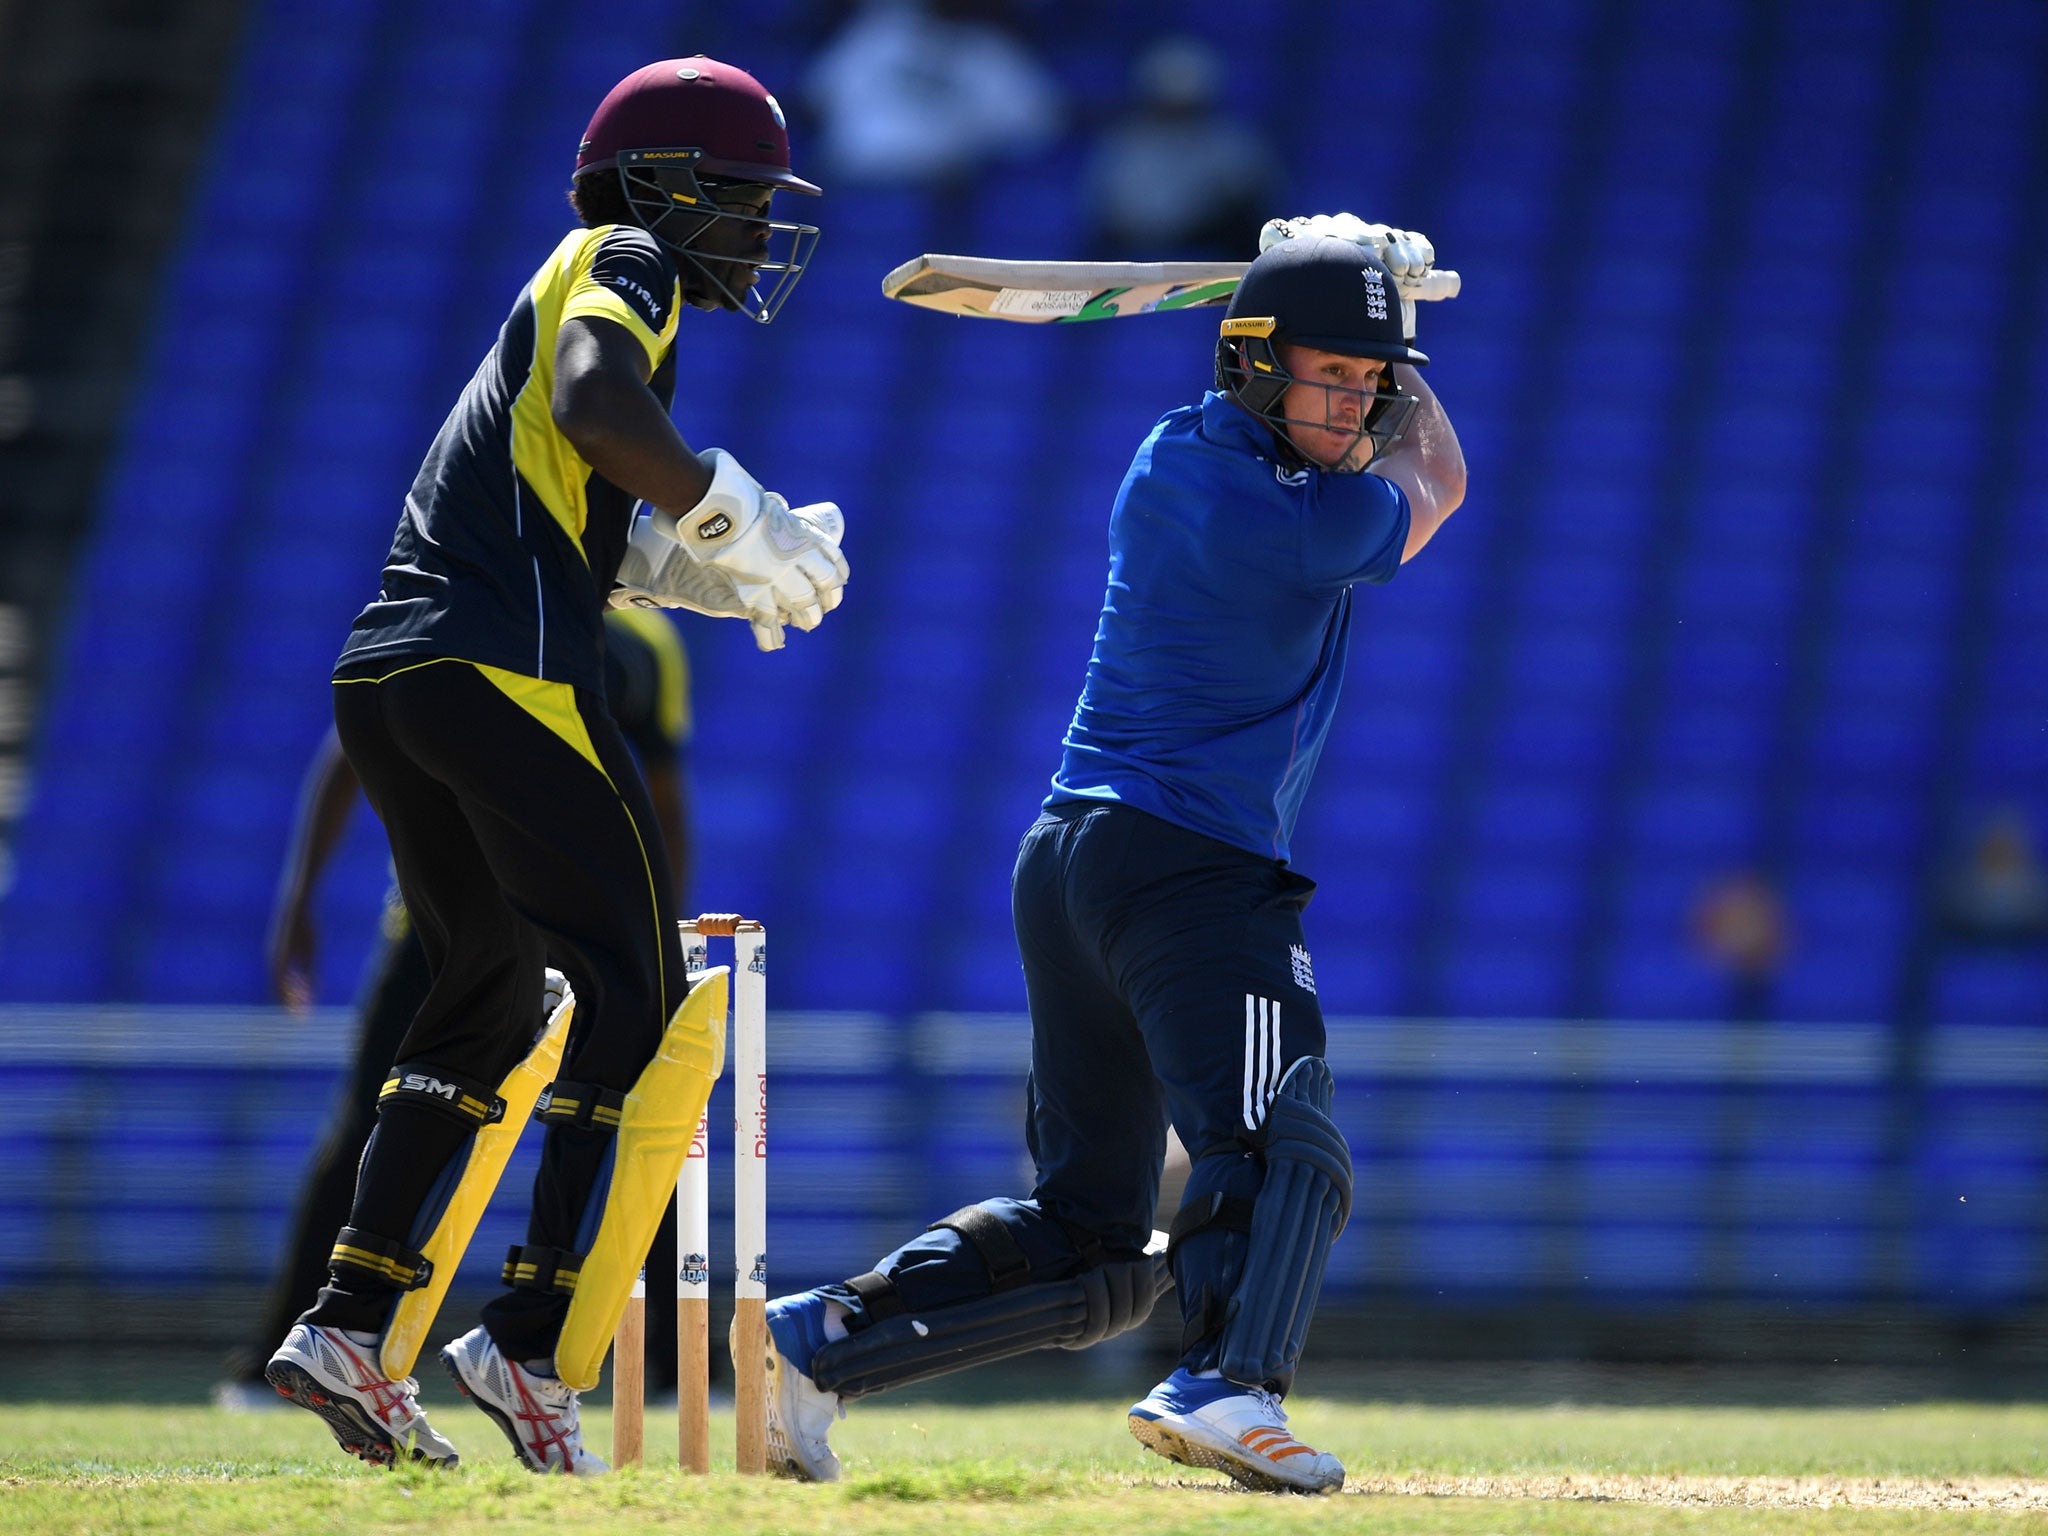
[676, 195]
[1249, 370]
[1333, 296]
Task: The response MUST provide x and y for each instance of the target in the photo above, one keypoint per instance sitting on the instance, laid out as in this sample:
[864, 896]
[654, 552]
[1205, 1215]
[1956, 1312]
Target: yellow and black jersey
[647, 683]
[509, 541]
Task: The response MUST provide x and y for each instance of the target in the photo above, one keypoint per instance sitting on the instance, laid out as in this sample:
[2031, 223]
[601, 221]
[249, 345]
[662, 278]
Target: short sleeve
[631, 281]
[1356, 529]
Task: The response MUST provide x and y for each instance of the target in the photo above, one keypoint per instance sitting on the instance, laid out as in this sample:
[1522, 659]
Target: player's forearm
[325, 805]
[622, 432]
[1429, 464]
[602, 405]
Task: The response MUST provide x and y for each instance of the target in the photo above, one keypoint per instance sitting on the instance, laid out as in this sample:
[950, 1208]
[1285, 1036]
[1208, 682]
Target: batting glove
[1406, 253]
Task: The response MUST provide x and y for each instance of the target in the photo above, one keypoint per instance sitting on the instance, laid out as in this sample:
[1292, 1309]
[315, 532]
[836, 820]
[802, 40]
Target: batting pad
[658, 1119]
[1301, 1207]
[488, 1155]
[1066, 1314]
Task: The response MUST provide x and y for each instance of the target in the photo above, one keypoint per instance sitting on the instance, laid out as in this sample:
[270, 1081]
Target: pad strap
[879, 1300]
[1087, 1245]
[422, 1085]
[984, 1230]
[1233, 1213]
[390, 1264]
[534, 1268]
[1224, 1212]
[582, 1105]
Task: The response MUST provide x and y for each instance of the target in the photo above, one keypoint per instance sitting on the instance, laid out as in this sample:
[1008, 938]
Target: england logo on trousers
[1304, 973]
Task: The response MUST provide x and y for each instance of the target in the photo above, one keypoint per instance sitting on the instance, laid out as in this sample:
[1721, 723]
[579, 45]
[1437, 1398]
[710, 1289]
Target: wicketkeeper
[1157, 915]
[470, 701]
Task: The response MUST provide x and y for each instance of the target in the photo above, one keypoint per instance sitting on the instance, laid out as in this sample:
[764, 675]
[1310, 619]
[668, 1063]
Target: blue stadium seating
[1728, 592]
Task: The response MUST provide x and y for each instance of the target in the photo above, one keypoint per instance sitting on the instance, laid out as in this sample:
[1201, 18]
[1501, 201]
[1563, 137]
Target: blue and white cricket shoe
[800, 1413]
[1241, 1431]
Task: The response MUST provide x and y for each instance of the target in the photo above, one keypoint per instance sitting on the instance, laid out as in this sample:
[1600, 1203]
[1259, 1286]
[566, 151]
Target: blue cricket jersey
[1220, 651]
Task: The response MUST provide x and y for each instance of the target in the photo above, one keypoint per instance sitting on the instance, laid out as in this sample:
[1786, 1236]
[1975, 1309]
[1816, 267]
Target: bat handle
[1438, 285]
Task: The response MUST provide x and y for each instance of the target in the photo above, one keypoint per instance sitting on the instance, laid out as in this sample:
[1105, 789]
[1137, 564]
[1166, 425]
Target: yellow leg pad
[488, 1155]
[655, 1127]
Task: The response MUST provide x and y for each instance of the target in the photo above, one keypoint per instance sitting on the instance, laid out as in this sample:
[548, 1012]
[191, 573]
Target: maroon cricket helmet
[695, 103]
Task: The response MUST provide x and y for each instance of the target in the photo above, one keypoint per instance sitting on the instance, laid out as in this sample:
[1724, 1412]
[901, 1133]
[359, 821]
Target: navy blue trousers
[1168, 983]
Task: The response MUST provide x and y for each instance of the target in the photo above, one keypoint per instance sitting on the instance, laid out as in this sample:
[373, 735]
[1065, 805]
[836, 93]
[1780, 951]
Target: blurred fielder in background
[647, 691]
[469, 698]
[1157, 915]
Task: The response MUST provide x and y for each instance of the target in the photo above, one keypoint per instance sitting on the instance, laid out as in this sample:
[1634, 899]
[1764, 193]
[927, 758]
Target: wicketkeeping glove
[784, 568]
[672, 562]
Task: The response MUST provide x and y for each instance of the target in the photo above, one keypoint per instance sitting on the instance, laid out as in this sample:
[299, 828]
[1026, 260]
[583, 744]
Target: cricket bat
[1041, 292]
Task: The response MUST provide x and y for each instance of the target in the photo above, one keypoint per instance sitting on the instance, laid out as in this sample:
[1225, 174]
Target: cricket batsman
[1157, 913]
[470, 700]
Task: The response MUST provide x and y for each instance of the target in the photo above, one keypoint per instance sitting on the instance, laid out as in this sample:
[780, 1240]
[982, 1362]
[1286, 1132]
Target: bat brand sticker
[1032, 302]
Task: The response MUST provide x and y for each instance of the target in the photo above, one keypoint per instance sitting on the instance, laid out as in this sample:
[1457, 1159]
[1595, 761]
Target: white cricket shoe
[1241, 1431]
[800, 1412]
[537, 1413]
[324, 1371]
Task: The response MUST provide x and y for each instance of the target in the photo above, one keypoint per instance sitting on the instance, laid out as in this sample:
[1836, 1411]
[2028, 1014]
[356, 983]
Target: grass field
[1068, 1467]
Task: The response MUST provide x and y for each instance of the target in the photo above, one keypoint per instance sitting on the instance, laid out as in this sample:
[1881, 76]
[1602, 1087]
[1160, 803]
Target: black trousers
[398, 985]
[521, 832]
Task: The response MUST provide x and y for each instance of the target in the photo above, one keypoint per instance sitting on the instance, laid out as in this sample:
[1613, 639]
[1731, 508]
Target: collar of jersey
[1229, 425]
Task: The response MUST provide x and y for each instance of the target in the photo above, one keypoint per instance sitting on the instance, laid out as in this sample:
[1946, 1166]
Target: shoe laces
[1270, 1401]
[555, 1393]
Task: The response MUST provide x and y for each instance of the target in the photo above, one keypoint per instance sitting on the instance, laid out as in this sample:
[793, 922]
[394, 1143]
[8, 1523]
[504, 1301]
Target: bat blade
[1045, 292]
[1059, 292]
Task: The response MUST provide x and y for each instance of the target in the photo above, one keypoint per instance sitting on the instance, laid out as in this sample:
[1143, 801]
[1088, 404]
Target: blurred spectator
[1177, 177]
[1997, 893]
[928, 91]
[1739, 926]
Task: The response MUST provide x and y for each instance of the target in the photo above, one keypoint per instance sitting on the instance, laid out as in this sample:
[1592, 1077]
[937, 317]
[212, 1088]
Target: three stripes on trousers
[1262, 1061]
